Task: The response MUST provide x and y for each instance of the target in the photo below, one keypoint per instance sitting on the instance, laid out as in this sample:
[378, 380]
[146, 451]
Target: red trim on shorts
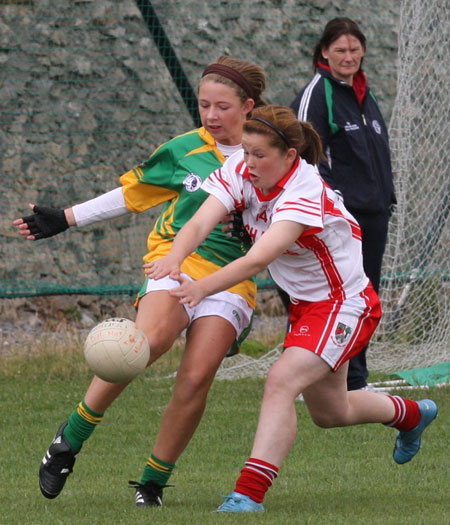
[330, 323]
[356, 334]
[322, 327]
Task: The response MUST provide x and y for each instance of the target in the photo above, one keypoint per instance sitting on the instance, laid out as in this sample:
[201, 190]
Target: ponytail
[285, 131]
[312, 150]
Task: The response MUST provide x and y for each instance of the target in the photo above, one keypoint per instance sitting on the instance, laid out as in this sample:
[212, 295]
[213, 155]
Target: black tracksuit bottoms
[374, 229]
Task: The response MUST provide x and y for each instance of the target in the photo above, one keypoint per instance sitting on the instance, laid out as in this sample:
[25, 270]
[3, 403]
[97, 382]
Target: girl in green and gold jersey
[228, 91]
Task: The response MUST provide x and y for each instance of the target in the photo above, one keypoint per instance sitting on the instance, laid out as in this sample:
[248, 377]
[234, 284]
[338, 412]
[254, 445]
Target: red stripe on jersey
[313, 204]
[356, 230]
[298, 208]
[282, 183]
[217, 176]
[241, 169]
[323, 255]
[310, 231]
[335, 212]
[302, 205]
[266, 198]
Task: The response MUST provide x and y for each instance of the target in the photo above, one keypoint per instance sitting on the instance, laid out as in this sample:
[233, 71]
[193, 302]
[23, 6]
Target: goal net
[414, 331]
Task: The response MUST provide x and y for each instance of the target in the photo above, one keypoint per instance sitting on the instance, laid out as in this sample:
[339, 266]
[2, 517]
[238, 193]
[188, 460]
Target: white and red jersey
[325, 262]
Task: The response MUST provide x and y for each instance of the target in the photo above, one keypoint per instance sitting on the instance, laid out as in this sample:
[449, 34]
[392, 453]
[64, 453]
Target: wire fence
[89, 89]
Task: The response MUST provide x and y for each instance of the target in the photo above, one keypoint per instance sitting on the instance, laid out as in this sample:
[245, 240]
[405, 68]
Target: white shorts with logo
[228, 305]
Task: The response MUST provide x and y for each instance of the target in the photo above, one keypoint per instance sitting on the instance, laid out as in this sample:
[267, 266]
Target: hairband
[272, 126]
[232, 74]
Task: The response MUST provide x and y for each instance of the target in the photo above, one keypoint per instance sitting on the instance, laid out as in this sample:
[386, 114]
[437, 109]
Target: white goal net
[415, 289]
[414, 331]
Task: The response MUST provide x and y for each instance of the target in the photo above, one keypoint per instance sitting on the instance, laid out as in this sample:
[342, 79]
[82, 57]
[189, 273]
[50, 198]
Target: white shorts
[228, 305]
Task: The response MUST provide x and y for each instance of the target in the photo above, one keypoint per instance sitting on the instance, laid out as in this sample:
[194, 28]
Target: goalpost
[415, 288]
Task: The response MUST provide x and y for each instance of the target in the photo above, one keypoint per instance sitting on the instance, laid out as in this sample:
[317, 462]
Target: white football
[116, 350]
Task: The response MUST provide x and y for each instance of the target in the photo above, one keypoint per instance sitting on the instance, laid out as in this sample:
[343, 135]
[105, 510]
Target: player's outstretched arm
[277, 239]
[191, 235]
[44, 222]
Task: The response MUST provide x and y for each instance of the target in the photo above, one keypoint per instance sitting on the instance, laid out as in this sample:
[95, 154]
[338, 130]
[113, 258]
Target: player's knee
[328, 419]
[193, 384]
[322, 422]
[275, 383]
[159, 338]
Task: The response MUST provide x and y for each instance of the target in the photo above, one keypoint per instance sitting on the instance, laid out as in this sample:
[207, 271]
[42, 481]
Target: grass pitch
[337, 476]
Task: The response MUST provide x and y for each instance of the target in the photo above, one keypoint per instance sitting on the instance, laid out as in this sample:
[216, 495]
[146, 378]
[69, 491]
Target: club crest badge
[342, 334]
[376, 126]
[192, 182]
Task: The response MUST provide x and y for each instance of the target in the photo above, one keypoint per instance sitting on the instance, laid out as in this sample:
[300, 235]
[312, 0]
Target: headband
[232, 74]
[272, 126]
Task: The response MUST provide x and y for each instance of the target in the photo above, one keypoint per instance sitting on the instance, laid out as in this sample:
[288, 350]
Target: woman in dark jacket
[345, 113]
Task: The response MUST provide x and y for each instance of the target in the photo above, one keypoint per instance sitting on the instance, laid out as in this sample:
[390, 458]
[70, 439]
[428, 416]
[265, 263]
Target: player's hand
[234, 227]
[189, 292]
[162, 267]
[45, 222]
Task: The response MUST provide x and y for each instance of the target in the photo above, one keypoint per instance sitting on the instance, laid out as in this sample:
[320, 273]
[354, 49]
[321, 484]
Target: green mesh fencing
[89, 88]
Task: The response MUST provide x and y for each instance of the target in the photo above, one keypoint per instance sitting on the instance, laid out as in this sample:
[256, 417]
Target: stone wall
[85, 95]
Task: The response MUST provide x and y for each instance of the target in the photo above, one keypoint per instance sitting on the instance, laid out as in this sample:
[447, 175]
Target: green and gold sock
[157, 471]
[81, 424]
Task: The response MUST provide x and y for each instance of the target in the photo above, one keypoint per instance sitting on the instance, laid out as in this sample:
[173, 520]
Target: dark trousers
[374, 229]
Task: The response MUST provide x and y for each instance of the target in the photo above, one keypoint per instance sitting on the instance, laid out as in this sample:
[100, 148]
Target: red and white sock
[256, 478]
[407, 414]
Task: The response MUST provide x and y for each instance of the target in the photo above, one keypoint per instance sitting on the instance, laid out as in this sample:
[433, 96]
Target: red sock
[256, 478]
[407, 414]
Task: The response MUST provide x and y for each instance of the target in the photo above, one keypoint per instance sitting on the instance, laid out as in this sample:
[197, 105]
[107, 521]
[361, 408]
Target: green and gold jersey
[173, 175]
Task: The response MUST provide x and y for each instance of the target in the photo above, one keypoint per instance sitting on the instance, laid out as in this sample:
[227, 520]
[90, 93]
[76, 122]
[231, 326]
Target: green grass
[337, 476]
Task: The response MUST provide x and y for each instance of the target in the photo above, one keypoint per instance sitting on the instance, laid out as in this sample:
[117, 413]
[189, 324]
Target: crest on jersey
[342, 333]
[192, 182]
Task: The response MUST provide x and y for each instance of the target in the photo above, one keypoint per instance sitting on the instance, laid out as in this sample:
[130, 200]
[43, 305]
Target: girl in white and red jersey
[312, 247]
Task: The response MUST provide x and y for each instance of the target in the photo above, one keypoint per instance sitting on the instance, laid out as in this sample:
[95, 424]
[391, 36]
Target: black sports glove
[46, 222]
[237, 229]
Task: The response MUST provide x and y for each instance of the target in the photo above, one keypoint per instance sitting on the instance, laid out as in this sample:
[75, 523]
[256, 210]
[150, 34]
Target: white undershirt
[226, 150]
[106, 206]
